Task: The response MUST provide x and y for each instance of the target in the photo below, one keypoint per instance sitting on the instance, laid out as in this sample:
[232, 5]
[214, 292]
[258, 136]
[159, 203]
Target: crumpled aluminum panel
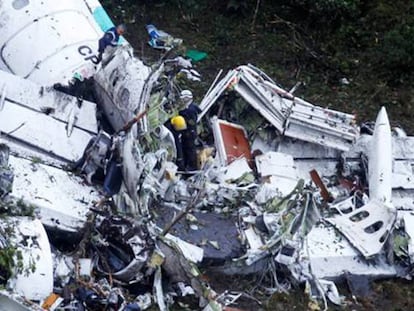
[330, 256]
[291, 116]
[367, 227]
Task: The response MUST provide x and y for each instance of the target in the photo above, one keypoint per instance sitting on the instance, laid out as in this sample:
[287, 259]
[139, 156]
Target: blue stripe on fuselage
[104, 21]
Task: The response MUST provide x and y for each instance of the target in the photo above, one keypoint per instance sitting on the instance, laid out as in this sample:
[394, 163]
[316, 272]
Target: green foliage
[11, 207]
[322, 7]
[11, 258]
[326, 13]
[122, 11]
[348, 6]
[237, 5]
[382, 15]
[194, 6]
[7, 263]
[36, 160]
[11, 261]
[191, 5]
[397, 51]
[318, 42]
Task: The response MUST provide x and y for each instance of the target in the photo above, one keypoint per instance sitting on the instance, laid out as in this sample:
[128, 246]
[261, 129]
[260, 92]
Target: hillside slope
[354, 56]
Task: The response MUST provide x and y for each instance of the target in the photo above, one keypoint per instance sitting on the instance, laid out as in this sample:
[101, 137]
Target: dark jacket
[190, 115]
[111, 37]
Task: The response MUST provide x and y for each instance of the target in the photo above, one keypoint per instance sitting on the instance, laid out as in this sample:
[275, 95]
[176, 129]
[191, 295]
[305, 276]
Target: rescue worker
[190, 114]
[77, 87]
[110, 38]
[177, 126]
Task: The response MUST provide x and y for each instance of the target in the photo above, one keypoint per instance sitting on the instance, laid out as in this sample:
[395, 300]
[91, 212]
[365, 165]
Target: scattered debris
[159, 39]
[284, 189]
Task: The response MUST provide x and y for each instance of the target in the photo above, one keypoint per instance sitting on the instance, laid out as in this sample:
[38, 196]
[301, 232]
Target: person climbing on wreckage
[79, 86]
[184, 128]
[110, 38]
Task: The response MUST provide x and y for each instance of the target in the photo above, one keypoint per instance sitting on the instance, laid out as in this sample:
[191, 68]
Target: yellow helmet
[178, 122]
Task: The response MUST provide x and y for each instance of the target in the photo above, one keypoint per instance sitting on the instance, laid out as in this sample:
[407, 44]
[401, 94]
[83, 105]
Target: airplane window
[19, 4]
[115, 81]
[125, 96]
[114, 77]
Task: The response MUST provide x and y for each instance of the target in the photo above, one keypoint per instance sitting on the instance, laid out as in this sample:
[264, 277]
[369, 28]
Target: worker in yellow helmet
[177, 125]
[184, 128]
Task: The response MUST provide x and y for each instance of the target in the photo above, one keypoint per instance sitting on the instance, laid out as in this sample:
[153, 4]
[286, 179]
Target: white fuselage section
[47, 41]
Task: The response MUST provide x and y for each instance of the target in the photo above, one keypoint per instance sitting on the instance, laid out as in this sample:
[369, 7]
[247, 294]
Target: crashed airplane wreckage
[285, 189]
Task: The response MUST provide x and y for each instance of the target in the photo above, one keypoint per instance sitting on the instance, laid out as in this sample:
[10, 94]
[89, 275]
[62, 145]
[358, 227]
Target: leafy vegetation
[321, 43]
[11, 258]
[16, 207]
[7, 263]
